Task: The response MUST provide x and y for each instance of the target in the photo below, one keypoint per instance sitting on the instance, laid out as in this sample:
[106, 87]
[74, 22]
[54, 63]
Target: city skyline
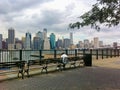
[69, 35]
[55, 15]
[47, 42]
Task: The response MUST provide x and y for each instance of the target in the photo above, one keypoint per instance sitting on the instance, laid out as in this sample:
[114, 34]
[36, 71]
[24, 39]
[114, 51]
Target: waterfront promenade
[103, 75]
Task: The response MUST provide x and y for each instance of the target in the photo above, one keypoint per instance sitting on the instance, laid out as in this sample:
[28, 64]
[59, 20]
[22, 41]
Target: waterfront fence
[16, 55]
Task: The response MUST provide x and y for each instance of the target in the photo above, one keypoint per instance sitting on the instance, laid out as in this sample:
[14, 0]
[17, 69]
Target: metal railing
[13, 55]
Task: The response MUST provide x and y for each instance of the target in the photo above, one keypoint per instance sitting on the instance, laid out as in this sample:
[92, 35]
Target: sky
[55, 15]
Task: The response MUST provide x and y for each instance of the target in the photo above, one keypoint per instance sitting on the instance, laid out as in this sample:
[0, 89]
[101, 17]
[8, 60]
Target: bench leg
[22, 74]
[59, 66]
[44, 68]
[64, 66]
[72, 64]
[27, 71]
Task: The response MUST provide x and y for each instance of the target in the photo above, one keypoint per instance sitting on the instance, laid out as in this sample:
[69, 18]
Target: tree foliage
[105, 12]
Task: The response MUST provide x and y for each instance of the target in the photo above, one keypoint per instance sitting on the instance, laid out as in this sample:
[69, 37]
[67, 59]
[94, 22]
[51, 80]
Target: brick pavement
[103, 75]
[88, 78]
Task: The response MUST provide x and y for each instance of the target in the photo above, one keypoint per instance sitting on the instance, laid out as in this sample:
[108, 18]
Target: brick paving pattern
[103, 75]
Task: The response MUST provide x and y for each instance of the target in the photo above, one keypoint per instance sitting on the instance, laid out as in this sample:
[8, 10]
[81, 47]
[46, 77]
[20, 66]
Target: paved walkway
[103, 75]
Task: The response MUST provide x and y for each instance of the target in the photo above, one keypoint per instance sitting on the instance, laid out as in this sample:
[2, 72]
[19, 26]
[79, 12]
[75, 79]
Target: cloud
[55, 15]
[10, 6]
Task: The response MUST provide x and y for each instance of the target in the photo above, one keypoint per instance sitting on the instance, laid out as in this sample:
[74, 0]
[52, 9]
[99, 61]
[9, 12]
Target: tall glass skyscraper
[71, 38]
[28, 41]
[52, 41]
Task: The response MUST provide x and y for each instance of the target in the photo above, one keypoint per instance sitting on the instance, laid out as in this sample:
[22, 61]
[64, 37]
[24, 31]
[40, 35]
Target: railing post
[55, 53]
[118, 52]
[106, 53]
[40, 54]
[111, 53]
[66, 51]
[83, 52]
[75, 52]
[102, 54]
[91, 51]
[0, 56]
[20, 55]
[114, 53]
[96, 53]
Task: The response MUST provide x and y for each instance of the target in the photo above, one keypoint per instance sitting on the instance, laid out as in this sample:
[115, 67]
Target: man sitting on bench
[64, 59]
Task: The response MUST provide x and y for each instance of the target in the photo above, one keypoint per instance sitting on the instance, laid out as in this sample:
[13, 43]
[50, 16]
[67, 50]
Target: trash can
[88, 60]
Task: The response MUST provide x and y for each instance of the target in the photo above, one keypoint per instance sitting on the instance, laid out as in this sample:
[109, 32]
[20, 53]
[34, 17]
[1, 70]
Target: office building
[44, 33]
[52, 41]
[100, 43]
[71, 38]
[115, 44]
[86, 43]
[41, 38]
[66, 43]
[96, 42]
[46, 42]
[11, 38]
[23, 42]
[28, 41]
[80, 44]
[36, 43]
[40, 35]
[59, 44]
[4, 44]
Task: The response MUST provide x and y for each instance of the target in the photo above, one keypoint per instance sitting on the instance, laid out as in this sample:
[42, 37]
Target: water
[13, 55]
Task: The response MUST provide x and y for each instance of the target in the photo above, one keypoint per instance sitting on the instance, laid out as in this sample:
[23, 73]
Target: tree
[106, 12]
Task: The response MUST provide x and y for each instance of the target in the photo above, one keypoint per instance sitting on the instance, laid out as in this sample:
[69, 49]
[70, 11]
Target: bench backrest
[19, 64]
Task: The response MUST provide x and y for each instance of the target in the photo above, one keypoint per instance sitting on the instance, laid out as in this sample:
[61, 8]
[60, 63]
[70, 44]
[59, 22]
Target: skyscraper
[40, 34]
[46, 44]
[11, 38]
[52, 41]
[44, 33]
[28, 41]
[0, 41]
[41, 39]
[71, 38]
[86, 43]
[81, 44]
[36, 43]
[66, 43]
[23, 42]
[59, 44]
[96, 42]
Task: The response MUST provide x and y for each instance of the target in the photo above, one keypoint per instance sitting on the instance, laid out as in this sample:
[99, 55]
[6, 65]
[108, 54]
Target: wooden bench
[74, 60]
[14, 66]
[43, 64]
[32, 64]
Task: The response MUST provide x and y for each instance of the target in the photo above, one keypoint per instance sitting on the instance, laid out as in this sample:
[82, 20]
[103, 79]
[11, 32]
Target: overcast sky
[55, 15]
